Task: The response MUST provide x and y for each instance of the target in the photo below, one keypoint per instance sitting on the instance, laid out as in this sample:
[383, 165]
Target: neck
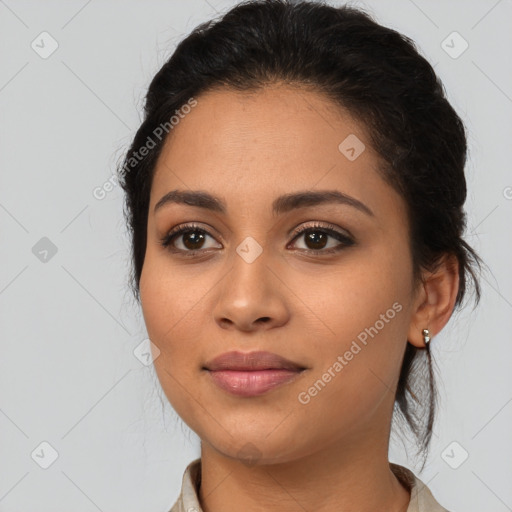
[353, 474]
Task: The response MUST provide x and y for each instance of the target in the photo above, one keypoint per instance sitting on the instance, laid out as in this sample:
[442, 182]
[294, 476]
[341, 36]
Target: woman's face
[340, 308]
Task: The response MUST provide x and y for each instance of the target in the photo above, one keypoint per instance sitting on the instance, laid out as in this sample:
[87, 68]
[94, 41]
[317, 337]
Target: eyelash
[328, 229]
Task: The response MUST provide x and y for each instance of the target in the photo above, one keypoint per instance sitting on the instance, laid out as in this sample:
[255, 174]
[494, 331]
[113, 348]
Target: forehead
[248, 146]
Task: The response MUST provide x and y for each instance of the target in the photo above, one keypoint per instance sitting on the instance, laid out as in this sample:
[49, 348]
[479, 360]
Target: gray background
[68, 373]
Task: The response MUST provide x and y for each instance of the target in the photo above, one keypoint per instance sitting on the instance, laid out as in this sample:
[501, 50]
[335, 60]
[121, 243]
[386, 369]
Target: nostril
[225, 322]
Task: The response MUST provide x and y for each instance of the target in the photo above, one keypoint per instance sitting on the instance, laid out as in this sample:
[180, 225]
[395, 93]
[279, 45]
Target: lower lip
[251, 383]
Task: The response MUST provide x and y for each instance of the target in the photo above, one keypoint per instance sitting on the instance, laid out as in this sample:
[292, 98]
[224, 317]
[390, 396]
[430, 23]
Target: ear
[435, 300]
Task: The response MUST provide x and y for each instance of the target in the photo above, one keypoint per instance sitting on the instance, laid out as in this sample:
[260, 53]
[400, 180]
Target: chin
[255, 448]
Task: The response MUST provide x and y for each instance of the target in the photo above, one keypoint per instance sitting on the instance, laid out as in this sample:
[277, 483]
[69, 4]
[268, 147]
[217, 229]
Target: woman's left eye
[317, 236]
[192, 239]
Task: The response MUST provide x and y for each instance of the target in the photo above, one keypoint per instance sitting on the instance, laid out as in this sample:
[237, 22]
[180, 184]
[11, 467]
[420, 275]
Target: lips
[251, 374]
[251, 361]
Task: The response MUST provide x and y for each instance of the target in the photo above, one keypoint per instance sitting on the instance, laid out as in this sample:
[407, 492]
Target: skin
[330, 454]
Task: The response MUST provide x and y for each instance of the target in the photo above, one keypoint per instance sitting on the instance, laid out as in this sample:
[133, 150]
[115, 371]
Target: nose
[252, 296]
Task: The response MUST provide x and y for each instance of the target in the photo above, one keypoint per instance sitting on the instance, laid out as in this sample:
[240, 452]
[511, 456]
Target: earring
[426, 336]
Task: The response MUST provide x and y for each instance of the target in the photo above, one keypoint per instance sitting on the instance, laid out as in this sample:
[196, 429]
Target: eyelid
[190, 225]
[321, 225]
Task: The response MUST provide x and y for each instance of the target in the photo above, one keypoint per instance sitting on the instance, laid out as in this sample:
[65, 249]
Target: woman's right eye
[191, 237]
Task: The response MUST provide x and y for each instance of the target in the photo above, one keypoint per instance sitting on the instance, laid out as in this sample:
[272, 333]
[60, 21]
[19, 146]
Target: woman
[295, 197]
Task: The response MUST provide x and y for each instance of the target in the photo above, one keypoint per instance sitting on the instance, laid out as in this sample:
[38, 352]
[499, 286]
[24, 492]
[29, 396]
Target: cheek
[369, 288]
[171, 296]
[170, 306]
[175, 303]
[366, 307]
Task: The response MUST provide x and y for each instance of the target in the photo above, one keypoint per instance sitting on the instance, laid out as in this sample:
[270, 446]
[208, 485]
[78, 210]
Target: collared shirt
[422, 499]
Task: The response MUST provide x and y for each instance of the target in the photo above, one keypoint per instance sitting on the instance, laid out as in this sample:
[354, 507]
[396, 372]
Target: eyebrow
[282, 204]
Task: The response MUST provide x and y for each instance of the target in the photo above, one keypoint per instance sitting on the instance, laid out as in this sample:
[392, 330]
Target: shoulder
[422, 499]
[188, 499]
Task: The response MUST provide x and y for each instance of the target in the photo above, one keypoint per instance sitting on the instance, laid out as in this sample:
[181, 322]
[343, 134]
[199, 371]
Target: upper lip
[250, 361]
